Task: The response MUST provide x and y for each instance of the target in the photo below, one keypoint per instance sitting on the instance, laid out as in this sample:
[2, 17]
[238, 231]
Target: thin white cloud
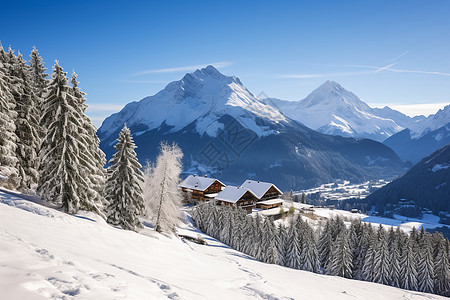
[388, 68]
[398, 57]
[219, 64]
[320, 75]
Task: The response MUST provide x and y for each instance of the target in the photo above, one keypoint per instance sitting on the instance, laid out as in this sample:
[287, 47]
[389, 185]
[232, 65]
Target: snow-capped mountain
[226, 131]
[201, 97]
[331, 109]
[431, 123]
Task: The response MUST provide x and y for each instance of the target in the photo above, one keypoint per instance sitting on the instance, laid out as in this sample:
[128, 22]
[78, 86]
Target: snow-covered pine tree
[408, 263]
[94, 158]
[394, 254]
[269, 240]
[324, 245]
[363, 245]
[382, 267]
[228, 222]
[281, 241]
[368, 269]
[63, 172]
[237, 231]
[258, 246]
[442, 269]
[249, 236]
[341, 263]
[355, 234]
[310, 255]
[425, 265]
[8, 159]
[37, 73]
[27, 123]
[165, 200]
[123, 185]
[294, 252]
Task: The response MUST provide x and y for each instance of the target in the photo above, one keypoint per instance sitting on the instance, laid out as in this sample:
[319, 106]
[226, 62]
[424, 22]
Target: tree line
[49, 146]
[418, 261]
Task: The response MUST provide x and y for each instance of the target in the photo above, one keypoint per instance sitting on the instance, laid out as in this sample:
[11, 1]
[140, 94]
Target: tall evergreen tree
[368, 270]
[37, 73]
[408, 262]
[294, 251]
[383, 266]
[63, 168]
[442, 270]
[324, 245]
[394, 253]
[310, 255]
[92, 155]
[27, 123]
[341, 263]
[123, 186]
[425, 265]
[8, 138]
[268, 239]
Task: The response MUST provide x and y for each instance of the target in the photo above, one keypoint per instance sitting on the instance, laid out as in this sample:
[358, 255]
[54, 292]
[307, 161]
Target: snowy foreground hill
[45, 253]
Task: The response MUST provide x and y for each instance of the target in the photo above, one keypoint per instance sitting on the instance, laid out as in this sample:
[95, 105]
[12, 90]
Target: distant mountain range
[226, 131]
[424, 138]
[332, 109]
[427, 185]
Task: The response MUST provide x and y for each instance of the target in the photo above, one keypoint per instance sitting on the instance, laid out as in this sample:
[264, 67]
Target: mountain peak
[208, 71]
[332, 94]
[330, 85]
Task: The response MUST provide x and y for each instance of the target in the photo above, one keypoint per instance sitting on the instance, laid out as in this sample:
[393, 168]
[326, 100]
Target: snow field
[48, 254]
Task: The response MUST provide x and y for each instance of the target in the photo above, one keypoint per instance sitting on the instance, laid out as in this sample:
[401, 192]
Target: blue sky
[394, 53]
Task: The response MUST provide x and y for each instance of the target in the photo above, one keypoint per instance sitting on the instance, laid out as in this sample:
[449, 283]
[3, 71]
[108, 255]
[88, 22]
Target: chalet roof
[259, 188]
[271, 201]
[232, 194]
[198, 183]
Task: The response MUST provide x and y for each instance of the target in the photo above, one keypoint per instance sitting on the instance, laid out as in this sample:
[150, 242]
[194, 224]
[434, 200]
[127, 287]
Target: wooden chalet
[202, 188]
[263, 190]
[237, 196]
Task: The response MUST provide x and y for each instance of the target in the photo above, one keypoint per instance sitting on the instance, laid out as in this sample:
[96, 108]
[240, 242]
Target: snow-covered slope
[48, 254]
[427, 184]
[201, 97]
[414, 149]
[331, 109]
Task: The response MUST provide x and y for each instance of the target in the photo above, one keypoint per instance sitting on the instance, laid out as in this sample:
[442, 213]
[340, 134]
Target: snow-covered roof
[211, 195]
[259, 188]
[271, 201]
[198, 183]
[232, 194]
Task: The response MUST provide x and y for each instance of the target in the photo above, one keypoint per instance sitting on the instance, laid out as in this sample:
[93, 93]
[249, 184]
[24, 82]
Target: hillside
[414, 149]
[226, 131]
[49, 254]
[427, 184]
